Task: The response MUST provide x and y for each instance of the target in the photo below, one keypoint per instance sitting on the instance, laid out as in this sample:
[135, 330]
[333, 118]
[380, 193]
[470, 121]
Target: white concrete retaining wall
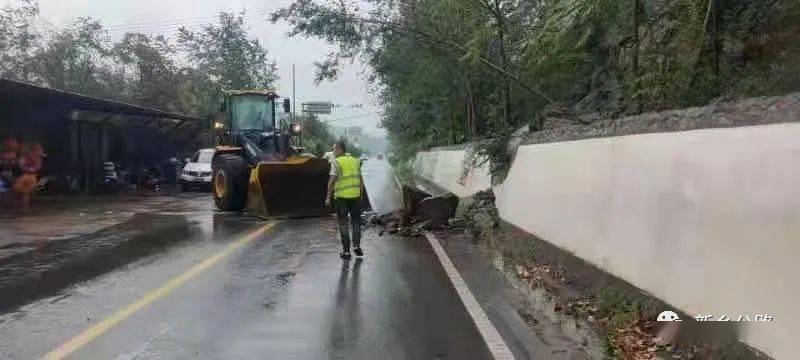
[706, 220]
[447, 169]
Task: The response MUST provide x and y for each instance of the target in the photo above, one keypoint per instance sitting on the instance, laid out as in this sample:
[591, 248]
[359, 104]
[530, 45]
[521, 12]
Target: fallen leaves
[634, 342]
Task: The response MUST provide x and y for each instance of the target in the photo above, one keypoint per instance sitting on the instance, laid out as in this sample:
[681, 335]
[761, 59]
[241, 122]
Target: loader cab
[249, 122]
[246, 112]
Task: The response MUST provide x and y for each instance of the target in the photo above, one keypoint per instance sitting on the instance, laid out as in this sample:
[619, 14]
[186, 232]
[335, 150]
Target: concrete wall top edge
[741, 113]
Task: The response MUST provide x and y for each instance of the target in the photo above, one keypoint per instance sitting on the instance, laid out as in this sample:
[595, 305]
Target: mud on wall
[707, 220]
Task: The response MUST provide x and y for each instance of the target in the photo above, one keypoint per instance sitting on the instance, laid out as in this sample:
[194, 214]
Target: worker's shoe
[346, 255]
[358, 252]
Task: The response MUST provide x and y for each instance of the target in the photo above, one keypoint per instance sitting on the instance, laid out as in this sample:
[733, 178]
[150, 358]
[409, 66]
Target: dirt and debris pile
[480, 215]
[399, 222]
[391, 222]
[424, 213]
[436, 210]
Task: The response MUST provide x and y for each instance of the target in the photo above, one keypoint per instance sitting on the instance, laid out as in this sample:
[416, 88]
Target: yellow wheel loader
[257, 165]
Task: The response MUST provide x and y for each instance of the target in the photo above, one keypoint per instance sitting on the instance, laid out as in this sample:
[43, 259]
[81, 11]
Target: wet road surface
[283, 294]
[381, 186]
[177, 280]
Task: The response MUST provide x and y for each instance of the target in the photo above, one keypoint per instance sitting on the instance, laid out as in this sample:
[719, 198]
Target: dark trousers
[351, 207]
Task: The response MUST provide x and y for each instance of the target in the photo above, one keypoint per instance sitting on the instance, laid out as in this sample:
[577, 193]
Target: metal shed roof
[13, 90]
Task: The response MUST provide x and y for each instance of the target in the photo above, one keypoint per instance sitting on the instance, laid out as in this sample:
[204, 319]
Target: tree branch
[451, 44]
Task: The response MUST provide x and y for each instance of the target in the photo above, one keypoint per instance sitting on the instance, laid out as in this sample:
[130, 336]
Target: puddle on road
[54, 265]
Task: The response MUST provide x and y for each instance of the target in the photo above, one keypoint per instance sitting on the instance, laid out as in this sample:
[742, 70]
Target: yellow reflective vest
[348, 178]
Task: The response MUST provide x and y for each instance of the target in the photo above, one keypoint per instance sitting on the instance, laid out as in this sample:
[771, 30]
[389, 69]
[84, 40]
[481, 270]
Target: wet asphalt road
[284, 295]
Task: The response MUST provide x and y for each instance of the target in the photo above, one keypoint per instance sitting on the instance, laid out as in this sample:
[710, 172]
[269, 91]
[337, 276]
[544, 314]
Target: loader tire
[229, 182]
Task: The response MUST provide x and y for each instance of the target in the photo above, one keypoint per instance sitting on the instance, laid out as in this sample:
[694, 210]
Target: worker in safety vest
[346, 186]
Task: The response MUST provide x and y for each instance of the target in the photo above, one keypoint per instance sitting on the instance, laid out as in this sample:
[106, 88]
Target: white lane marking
[497, 346]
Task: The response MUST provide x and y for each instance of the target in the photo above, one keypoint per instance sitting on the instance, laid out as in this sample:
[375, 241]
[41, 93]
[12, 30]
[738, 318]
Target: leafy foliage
[143, 69]
[138, 68]
[316, 137]
[72, 59]
[150, 63]
[226, 52]
[452, 71]
[18, 39]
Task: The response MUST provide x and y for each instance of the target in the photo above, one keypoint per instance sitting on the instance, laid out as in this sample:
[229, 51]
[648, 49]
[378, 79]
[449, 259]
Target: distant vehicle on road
[197, 171]
[380, 157]
[364, 157]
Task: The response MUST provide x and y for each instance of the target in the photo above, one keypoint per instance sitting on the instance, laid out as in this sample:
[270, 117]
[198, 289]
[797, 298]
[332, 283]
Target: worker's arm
[331, 181]
[329, 193]
[363, 187]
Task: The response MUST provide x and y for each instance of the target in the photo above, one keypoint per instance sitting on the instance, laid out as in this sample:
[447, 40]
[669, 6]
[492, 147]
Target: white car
[197, 170]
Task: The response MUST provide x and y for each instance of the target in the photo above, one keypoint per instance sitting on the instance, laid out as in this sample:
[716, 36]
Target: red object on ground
[25, 184]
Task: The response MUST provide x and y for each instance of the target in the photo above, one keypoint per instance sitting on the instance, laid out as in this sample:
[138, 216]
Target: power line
[141, 23]
[175, 25]
[207, 17]
[211, 20]
[167, 30]
[352, 117]
[168, 24]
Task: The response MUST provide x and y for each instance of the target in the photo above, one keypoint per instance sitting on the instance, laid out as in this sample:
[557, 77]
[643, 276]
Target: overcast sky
[164, 16]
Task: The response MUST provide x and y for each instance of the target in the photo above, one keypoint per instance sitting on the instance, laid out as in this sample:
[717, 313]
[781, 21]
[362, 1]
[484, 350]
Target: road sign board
[317, 107]
[355, 130]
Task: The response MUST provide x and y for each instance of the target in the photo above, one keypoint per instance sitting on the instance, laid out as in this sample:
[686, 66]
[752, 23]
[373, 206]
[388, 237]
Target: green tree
[228, 54]
[446, 71]
[147, 65]
[451, 71]
[317, 138]
[223, 57]
[19, 40]
[138, 68]
[74, 58]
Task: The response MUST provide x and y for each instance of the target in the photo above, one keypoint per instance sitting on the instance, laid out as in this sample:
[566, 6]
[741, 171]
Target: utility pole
[294, 105]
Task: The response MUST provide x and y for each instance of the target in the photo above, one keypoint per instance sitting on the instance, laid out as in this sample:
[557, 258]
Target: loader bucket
[292, 188]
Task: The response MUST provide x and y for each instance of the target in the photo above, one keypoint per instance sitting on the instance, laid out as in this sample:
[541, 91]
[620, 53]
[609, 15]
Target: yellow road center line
[108, 323]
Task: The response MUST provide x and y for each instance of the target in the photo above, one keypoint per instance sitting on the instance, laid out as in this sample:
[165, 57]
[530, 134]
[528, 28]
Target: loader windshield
[252, 113]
